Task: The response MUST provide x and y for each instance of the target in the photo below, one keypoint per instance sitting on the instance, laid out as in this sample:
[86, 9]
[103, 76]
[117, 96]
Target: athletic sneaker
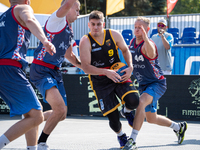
[43, 146]
[122, 140]
[128, 116]
[181, 133]
[130, 145]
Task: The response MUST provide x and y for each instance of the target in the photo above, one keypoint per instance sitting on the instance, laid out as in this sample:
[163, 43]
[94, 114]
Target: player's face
[137, 29]
[96, 27]
[73, 12]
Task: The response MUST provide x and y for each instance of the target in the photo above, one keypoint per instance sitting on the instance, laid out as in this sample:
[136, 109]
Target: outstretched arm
[24, 14]
[69, 54]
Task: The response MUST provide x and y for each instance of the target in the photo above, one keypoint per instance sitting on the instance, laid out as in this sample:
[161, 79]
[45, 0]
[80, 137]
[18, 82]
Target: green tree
[186, 7]
[132, 7]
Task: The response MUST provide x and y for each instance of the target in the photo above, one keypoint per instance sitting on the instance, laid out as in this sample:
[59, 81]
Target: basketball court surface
[94, 133]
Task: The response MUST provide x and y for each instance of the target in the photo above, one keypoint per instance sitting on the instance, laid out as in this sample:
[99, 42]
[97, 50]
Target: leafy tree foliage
[186, 7]
[132, 7]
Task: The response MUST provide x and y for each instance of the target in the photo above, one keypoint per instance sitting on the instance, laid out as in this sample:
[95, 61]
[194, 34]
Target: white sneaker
[43, 146]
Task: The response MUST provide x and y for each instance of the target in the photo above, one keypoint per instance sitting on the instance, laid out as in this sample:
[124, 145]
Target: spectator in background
[164, 42]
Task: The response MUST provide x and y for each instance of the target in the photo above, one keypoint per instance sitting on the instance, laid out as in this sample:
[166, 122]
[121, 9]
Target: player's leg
[116, 126]
[129, 95]
[32, 138]
[131, 100]
[32, 119]
[59, 112]
[179, 128]
[145, 99]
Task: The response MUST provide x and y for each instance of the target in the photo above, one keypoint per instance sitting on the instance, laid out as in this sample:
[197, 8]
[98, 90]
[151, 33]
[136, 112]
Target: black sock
[43, 137]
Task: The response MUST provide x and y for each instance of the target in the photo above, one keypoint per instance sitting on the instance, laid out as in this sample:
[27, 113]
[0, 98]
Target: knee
[61, 112]
[115, 126]
[131, 100]
[37, 115]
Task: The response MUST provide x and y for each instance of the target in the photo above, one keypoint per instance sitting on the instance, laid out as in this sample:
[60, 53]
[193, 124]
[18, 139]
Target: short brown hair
[146, 20]
[96, 15]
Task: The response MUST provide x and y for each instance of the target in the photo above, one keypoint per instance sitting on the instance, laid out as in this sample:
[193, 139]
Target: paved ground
[93, 133]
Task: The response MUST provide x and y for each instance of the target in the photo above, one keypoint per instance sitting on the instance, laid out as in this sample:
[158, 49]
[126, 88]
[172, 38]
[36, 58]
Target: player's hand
[127, 75]
[113, 75]
[144, 34]
[49, 47]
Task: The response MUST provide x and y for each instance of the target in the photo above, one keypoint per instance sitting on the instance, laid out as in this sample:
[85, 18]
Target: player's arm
[69, 54]
[85, 56]
[126, 54]
[64, 8]
[24, 14]
[149, 48]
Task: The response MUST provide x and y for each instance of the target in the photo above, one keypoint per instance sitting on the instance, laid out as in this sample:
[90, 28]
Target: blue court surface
[94, 133]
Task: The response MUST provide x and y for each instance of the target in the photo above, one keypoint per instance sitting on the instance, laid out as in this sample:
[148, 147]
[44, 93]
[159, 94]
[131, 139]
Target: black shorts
[109, 94]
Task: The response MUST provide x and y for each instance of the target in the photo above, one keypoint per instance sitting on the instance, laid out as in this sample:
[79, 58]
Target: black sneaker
[130, 145]
[122, 140]
[181, 133]
[128, 116]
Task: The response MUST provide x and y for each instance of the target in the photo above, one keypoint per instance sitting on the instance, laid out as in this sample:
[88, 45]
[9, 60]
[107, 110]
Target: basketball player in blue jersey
[44, 70]
[15, 89]
[98, 52]
[152, 84]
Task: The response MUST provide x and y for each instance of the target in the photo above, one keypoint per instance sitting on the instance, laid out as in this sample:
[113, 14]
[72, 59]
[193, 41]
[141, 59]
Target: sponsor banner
[180, 102]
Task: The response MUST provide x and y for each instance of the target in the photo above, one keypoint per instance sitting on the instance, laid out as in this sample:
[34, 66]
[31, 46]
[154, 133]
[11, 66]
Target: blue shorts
[156, 90]
[17, 91]
[44, 78]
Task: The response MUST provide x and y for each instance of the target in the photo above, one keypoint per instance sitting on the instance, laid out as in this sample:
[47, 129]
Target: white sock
[31, 147]
[120, 133]
[175, 126]
[127, 110]
[134, 134]
[3, 141]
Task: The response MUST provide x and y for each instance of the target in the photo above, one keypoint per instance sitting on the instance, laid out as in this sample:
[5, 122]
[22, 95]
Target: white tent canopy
[3, 7]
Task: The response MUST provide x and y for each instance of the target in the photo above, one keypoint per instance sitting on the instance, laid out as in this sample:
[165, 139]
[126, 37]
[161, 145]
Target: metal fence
[174, 21]
[80, 26]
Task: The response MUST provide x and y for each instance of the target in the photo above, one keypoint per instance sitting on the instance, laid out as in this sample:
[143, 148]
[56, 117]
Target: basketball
[120, 66]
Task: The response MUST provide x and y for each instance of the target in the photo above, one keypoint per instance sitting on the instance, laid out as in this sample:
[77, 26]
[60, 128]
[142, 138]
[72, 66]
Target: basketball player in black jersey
[98, 52]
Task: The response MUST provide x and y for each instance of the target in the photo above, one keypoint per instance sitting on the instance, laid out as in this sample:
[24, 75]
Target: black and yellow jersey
[106, 54]
[103, 55]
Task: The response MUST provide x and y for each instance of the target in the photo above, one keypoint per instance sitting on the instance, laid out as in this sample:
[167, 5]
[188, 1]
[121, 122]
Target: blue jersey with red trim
[61, 40]
[14, 38]
[145, 70]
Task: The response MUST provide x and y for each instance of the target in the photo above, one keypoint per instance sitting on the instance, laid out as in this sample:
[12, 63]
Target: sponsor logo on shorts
[101, 104]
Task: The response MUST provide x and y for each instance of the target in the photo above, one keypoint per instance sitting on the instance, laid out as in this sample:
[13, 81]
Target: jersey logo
[2, 24]
[96, 49]
[108, 42]
[94, 44]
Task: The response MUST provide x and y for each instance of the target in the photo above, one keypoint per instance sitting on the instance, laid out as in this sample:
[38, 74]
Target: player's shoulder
[84, 40]
[114, 31]
[23, 7]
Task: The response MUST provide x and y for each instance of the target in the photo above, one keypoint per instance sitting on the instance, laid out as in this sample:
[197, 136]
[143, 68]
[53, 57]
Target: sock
[3, 141]
[134, 134]
[43, 137]
[31, 148]
[127, 110]
[175, 126]
[120, 133]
